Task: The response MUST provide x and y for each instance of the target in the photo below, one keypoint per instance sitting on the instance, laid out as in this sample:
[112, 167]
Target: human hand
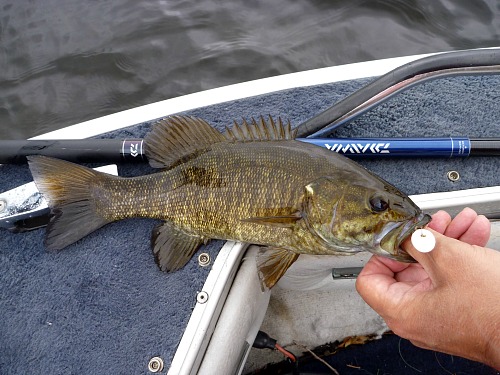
[450, 300]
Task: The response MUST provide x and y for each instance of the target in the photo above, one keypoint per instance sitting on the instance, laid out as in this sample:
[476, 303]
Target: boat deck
[102, 305]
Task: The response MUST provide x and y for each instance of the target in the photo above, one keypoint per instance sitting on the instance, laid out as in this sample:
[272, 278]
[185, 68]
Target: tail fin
[67, 188]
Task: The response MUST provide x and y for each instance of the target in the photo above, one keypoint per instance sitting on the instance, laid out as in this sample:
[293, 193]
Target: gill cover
[323, 197]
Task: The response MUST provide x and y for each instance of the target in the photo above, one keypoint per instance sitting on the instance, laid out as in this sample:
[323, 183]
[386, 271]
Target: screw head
[204, 259]
[453, 176]
[155, 364]
[202, 297]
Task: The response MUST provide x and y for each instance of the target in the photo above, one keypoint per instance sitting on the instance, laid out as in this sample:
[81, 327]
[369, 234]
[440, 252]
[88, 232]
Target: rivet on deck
[453, 176]
[202, 297]
[204, 259]
[155, 364]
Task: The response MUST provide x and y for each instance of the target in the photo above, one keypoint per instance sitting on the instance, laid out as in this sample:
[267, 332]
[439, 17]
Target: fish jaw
[391, 239]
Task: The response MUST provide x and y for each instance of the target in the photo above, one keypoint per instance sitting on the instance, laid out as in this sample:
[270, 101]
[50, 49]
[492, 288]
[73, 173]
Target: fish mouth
[390, 245]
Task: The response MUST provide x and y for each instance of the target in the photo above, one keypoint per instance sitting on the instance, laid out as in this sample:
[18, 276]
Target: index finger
[377, 276]
[440, 221]
[376, 279]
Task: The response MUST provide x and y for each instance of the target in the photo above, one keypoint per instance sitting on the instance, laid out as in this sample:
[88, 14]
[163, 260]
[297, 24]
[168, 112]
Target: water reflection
[67, 62]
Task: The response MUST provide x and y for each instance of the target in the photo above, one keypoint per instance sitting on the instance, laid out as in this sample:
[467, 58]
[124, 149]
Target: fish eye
[378, 204]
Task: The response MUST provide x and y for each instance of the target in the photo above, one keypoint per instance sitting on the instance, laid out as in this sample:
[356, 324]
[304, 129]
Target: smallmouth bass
[254, 184]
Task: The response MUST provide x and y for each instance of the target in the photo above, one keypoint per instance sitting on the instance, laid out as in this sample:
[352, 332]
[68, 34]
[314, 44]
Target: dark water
[63, 62]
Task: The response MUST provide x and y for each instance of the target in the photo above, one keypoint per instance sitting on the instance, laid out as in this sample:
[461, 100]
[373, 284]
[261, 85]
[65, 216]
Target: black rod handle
[485, 146]
[78, 150]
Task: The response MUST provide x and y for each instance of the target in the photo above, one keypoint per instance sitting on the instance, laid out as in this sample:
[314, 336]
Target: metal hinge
[346, 272]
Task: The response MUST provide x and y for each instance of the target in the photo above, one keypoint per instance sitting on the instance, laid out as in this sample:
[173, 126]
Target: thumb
[436, 262]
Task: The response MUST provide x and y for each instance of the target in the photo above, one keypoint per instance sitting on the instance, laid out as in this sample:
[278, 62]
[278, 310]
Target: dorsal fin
[262, 130]
[176, 139]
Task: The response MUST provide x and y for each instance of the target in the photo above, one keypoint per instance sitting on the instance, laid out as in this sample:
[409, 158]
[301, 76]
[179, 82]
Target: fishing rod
[473, 62]
[134, 150]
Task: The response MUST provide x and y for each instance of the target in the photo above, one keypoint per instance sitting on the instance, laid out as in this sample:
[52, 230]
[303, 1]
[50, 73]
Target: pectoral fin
[280, 221]
[272, 263]
[172, 247]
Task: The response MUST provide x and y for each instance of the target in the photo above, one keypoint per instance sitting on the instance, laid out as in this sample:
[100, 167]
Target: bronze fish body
[253, 184]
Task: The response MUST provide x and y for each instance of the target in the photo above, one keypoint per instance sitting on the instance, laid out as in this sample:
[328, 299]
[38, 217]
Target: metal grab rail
[472, 62]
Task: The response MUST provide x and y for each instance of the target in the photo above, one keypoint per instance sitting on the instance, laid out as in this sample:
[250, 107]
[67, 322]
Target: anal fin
[173, 247]
[272, 263]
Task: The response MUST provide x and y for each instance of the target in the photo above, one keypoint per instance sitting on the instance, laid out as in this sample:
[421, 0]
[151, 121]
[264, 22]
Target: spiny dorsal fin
[262, 130]
[176, 139]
